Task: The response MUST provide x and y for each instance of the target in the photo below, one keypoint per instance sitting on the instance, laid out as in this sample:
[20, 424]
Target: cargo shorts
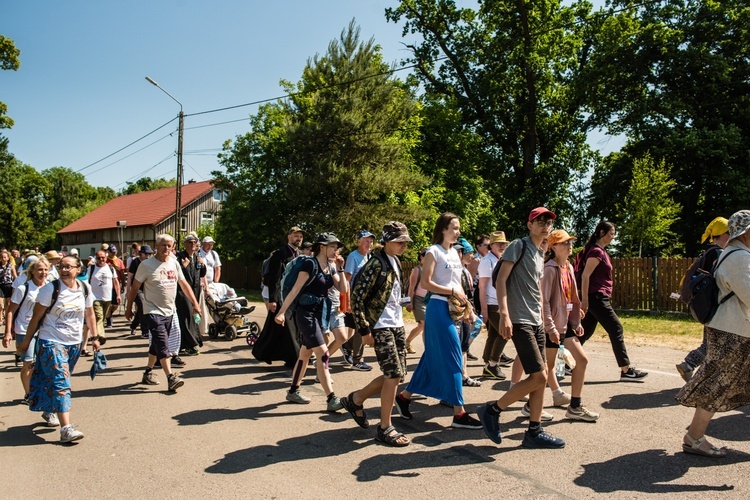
[390, 350]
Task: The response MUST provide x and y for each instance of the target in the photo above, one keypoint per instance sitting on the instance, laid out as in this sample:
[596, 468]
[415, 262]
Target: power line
[131, 154]
[142, 174]
[125, 147]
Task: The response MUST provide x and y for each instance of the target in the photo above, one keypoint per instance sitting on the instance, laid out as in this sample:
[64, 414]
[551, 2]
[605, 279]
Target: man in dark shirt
[144, 253]
[194, 268]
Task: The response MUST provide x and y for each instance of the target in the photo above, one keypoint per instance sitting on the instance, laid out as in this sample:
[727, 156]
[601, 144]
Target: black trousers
[600, 311]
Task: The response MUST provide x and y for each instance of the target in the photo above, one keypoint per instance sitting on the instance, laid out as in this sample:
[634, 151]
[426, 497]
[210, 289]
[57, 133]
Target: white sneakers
[50, 419]
[68, 434]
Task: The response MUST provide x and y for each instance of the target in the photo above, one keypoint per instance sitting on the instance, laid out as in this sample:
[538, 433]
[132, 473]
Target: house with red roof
[141, 216]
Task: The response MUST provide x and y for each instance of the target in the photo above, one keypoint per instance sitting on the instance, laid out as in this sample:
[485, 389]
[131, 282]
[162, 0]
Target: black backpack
[705, 293]
[496, 270]
[703, 263]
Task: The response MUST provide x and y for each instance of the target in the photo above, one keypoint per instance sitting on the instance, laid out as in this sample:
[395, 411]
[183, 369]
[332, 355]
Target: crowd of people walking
[528, 291]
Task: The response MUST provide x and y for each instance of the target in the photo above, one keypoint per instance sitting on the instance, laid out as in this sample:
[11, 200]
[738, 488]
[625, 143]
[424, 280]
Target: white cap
[73, 251]
[208, 239]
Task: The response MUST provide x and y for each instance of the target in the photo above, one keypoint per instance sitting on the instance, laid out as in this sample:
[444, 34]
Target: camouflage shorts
[390, 349]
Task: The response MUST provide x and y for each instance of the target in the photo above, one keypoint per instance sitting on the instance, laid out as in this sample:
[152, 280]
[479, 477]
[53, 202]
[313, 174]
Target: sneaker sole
[581, 418]
[176, 385]
[466, 426]
[548, 418]
[401, 413]
[533, 445]
[481, 411]
[74, 438]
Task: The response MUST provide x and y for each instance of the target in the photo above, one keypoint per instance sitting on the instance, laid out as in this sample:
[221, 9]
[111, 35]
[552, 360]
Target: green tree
[648, 210]
[513, 71]
[22, 189]
[9, 60]
[334, 156]
[146, 184]
[674, 76]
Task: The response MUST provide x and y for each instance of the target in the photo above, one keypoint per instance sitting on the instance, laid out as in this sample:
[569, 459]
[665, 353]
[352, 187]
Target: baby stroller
[229, 313]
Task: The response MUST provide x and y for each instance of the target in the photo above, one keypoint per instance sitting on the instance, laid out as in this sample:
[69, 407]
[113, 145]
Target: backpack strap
[719, 260]
[496, 270]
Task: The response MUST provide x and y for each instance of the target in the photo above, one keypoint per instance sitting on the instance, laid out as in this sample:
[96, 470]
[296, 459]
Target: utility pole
[178, 184]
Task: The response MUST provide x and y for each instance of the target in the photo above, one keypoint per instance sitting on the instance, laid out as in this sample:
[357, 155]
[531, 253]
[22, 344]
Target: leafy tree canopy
[146, 184]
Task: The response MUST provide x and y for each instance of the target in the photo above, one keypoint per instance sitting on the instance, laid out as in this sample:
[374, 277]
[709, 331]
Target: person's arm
[506, 326]
[217, 274]
[188, 291]
[549, 281]
[483, 284]
[413, 277]
[14, 272]
[39, 310]
[9, 316]
[302, 278]
[591, 264]
[339, 277]
[428, 267]
[576, 315]
[473, 267]
[131, 298]
[361, 291]
[274, 266]
[91, 330]
[117, 289]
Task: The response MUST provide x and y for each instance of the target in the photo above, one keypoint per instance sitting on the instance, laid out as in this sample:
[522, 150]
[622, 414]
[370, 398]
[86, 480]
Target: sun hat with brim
[208, 239]
[559, 236]
[715, 228]
[328, 239]
[739, 224]
[539, 211]
[295, 229]
[52, 254]
[498, 237]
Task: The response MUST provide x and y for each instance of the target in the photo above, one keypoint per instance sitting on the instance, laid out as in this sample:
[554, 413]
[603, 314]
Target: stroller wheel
[230, 332]
[254, 329]
[251, 339]
[213, 331]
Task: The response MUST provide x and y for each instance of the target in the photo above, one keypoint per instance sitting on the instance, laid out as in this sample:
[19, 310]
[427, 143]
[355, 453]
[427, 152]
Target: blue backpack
[289, 277]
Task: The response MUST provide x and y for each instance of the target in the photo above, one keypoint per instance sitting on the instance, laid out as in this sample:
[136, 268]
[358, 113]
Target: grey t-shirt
[524, 294]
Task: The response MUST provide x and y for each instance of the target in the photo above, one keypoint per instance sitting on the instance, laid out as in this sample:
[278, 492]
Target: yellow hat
[498, 237]
[717, 227]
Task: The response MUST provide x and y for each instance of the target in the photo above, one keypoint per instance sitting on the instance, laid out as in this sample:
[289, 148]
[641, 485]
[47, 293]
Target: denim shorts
[336, 319]
[28, 356]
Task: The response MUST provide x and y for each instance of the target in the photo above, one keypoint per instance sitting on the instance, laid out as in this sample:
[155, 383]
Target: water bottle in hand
[197, 318]
[560, 362]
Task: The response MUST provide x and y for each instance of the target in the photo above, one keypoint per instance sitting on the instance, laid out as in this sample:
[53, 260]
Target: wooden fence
[642, 284]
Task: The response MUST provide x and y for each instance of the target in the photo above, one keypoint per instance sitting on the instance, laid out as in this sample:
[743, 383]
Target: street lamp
[178, 190]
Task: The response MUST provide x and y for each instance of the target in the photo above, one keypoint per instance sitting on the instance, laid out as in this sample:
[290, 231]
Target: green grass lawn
[664, 330]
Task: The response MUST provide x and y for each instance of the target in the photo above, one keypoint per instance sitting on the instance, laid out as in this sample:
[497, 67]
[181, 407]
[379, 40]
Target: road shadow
[651, 471]
[660, 399]
[124, 389]
[731, 427]
[26, 435]
[211, 415]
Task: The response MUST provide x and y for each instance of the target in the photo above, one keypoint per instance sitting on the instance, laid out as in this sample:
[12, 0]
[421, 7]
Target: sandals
[84, 352]
[352, 408]
[702, 447]
[398, 439]
[471, 382]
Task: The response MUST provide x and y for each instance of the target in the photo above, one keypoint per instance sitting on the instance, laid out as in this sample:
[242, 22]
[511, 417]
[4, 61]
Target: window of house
[207, 217]
[220, 195]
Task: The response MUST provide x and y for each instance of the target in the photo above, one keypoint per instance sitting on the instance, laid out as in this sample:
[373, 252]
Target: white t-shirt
[64, 322]
[392, 316]
[448, 268]
[212, 261]
[486, 266]
[101, 280]
[23, 314]
[53, 274]
[159, 285]
[20, 280]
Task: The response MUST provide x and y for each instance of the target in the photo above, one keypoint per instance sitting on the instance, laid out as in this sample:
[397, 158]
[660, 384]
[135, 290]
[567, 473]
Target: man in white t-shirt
[103, 280]
[213, 263]
[495, 344]
[160, 276]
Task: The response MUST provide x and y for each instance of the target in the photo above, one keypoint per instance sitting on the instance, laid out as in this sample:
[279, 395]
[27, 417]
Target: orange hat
[559, 236]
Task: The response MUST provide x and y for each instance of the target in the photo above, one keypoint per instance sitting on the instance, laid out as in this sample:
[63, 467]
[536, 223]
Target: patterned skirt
[722, 383]
[50, 382]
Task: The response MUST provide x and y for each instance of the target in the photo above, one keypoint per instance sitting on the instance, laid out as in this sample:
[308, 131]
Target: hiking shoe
[68, 434]
[192, 352]
[402, 407]
[465, 421]
[560, 399]
[149, 378]
[493, 372]
[632, 374]
[685, 371]
[490, 423]
[526, 412]
[51, 419]
[178, 362]
[581, 413]
[174, 382]
[297, 397]
[505, 361]
[470, 356]
[335, 404]
[541, 440]
[361, 367]
[348, 360]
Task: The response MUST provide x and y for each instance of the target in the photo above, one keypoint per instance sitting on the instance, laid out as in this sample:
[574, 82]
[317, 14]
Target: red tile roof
[140, 209]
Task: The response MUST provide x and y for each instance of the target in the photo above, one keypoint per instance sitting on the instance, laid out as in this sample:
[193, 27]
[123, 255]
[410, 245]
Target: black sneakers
[465, 421]
[632, 374]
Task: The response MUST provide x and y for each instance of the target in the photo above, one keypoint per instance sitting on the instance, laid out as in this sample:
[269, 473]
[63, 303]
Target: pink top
[558, 290]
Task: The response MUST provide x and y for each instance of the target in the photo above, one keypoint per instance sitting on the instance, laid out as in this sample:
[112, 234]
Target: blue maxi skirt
[50, 382]
[439, 373]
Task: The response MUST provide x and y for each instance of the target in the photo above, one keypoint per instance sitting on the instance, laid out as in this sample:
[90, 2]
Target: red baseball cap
[539, 211]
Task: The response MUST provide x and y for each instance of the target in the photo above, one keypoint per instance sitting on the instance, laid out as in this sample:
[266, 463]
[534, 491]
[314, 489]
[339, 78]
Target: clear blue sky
[81, 94]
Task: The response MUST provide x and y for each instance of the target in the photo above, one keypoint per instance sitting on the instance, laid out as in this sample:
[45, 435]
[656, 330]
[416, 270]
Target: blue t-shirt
[355, 261]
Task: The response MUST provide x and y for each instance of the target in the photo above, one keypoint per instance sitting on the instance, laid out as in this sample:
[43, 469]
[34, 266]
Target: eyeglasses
[483, 244]
[545, 223]
[68, 268]
[567, 243]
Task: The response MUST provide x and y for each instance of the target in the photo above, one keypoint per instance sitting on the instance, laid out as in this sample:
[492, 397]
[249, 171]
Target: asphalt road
[228, 433]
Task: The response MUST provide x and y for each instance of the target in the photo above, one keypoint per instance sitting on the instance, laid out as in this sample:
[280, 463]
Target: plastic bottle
[560, 362]
[477, 327]
[197, 318]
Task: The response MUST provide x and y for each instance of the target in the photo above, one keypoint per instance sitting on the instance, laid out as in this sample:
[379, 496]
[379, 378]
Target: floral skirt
[722, 383]
[50, 382]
